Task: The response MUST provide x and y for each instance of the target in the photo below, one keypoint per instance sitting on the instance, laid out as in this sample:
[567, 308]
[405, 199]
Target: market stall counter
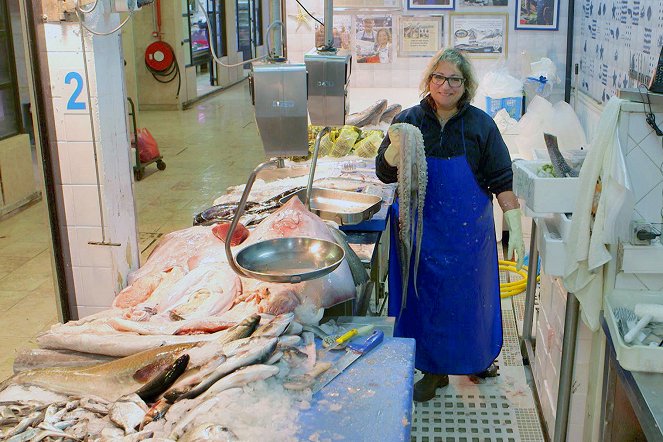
[370, 400]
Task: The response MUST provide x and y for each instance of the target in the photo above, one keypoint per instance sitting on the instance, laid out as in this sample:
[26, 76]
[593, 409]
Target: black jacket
[487, 154]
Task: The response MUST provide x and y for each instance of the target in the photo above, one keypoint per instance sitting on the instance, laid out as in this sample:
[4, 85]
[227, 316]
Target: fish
[156, 412]
[294, 357]
[241, 377]
[302, 382]
[257, 353]
[128, 412]
[142, 289]
[108, 381]
[369, 116]
[188, 411]
[561, 167]
[209, 431]
[276, 327]
[390, 112]
[32, 358]
[412, 181]
[29, 421]
[209, 324]
[157, 385]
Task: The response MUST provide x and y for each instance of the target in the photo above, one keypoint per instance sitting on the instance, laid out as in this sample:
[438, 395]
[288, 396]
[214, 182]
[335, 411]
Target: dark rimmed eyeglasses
[439, 80]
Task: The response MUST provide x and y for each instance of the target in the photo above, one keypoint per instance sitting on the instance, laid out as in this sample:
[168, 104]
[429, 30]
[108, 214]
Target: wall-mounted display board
[366, 4]
[431, 4]
[481, 35]
[420, 36]
[539, 15]
[373, 38]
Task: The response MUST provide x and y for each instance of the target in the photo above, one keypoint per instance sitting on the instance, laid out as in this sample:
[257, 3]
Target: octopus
[412, 180]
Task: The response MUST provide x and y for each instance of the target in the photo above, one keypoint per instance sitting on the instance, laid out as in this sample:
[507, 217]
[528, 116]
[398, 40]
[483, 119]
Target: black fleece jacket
[487, 153]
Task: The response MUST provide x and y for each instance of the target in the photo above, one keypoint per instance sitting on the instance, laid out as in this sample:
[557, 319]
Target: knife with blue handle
[354, 351]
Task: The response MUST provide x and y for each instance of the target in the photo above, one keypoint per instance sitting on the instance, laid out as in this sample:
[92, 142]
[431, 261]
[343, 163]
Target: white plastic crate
[544, 195]
[633, 357]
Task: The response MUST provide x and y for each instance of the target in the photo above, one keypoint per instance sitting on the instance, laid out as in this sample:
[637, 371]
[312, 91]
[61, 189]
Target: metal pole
[278, 36]
[240, 210]
[314, 161]
[566, 372]
[329, 23]
[530, 294]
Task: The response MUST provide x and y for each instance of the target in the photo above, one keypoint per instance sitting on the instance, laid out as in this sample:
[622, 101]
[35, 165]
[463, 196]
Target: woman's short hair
[457, 58]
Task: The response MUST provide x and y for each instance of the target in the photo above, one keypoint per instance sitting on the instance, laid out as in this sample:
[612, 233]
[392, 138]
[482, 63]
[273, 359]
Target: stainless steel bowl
[290, 259]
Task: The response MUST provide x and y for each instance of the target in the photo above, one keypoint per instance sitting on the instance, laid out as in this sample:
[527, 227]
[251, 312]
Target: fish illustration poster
[479, 34]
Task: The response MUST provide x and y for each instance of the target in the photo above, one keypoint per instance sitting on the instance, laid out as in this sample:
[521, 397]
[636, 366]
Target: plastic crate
[544, 195]
[513, 105]
[633, 357]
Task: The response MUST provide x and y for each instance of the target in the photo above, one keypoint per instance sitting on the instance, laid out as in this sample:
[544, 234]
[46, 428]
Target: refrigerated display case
[199, 35]
[249, 28]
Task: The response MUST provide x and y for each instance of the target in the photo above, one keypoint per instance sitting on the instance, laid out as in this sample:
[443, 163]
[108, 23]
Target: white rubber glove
[391, 155]
[516, 243]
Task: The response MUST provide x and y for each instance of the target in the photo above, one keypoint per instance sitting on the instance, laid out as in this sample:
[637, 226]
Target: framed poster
[480, 3]
[431, 4]
[366, 4]
[420, 36]
[540, 15]
[482, 35]
[373, 38]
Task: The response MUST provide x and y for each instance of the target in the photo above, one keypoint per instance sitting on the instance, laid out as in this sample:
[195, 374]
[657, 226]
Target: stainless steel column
[530, 295]
[329, 23]
[566, 372]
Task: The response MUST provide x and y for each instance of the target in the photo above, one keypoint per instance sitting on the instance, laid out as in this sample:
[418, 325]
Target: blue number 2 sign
[72, 104]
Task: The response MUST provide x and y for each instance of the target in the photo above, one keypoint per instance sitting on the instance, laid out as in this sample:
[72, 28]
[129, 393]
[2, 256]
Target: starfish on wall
[301, 18]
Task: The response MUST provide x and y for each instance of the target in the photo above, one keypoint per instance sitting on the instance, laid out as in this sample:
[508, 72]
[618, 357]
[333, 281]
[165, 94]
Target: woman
[383, 45]
[456, 317]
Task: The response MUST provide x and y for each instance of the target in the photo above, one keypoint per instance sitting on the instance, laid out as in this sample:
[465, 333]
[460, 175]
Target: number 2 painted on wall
[72, 104]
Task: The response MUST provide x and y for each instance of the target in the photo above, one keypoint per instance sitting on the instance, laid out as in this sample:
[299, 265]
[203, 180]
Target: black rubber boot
[490, 372]
[424, 389]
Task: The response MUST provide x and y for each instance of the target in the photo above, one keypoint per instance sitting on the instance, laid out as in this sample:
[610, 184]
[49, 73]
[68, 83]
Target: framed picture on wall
[373, 42]
[341, 32]
[481, 3]
[540, 15]
[342, 5]
[431, 4]
[481, 35]
[420, 36]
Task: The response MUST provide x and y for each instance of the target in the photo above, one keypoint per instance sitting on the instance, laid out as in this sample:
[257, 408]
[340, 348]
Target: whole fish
[412, 181]
[209, 431]
[152, 389]
[109, 381]
[32, 358]
[241, 377]
[390, 112]
[370, 115]
[258, 352]
[30, 421]
[241, 330]
[276, 326]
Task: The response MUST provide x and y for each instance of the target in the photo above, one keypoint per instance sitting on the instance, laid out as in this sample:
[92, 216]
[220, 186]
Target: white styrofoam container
[544, 195]
[633, 357]
[551, 247]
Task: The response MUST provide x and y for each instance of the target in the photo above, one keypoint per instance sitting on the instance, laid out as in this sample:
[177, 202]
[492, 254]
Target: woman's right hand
[391, 155]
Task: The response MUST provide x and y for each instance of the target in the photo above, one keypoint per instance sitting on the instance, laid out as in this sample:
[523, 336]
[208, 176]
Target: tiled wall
[524, 46]
[99, 271]
[643, 151]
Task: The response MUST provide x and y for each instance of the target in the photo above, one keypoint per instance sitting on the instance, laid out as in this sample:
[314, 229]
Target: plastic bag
[147, 146]
[345, 141]
[368, 147]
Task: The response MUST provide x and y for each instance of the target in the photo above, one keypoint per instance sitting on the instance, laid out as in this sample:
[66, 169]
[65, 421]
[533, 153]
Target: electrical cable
[269, 28]
[211, 44]
[86, 11]
[78, 10]
[310, 15]
[650, 118]
[509, 289]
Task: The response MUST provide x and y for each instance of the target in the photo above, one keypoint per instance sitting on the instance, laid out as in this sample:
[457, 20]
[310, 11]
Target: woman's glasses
[439, 80]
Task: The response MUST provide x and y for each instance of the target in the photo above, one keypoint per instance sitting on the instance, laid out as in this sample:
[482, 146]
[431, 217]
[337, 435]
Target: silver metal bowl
[290, 259]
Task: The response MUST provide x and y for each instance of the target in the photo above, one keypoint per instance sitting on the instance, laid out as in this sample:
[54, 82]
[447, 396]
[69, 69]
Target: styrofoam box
[633, 357]
[544, 195]
[551, 247]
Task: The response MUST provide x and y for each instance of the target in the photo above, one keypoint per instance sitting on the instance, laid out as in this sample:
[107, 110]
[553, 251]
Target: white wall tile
[651, 146]
[638, 128]
[80, 156]
[69, 206]
[644, 174]
[91, 255]
[649, 207]
[652, 281]
[84, 310]
[86, 206]
[63, 160]
[98, 287]
[628, 281]
[62, 37]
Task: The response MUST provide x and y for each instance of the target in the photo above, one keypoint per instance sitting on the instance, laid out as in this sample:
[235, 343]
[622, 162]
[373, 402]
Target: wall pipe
[569, 51]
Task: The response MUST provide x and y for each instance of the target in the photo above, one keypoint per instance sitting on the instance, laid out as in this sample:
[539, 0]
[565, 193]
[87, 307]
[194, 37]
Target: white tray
[633, 357]
[544, 195]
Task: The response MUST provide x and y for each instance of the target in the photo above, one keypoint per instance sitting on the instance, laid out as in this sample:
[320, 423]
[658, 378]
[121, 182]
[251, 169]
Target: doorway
[207, 80]
[249, 28]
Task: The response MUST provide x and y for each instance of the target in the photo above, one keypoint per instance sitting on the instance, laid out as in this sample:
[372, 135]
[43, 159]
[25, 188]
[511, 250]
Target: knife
[331, 343]
[354, 351]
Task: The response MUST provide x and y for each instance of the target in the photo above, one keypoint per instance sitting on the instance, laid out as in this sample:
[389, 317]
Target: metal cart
[139, 168]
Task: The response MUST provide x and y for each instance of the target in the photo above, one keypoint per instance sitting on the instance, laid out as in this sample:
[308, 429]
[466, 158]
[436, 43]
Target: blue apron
[457, 318]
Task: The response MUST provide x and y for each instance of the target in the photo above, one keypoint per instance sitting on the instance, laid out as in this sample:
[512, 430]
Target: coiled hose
[513, 288]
